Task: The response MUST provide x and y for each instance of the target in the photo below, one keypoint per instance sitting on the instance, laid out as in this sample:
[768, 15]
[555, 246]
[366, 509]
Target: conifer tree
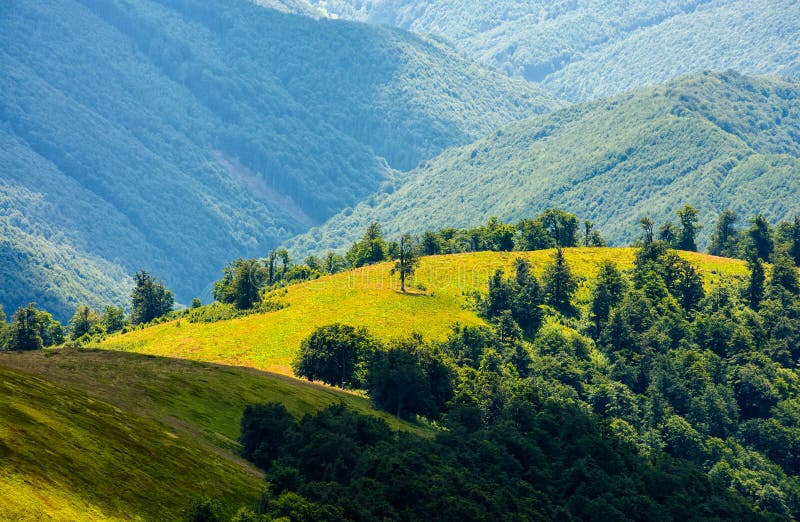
[559, 284]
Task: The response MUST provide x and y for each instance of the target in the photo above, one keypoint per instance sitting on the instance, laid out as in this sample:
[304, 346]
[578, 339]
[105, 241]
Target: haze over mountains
[716, 141]
[590, 48]
[173, 136]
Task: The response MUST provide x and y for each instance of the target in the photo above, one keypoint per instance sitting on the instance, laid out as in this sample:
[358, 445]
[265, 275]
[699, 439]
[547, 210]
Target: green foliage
[241, 283]
[25, 329]
[760, 239]
[559, 285]
[336, 354]
[606, 294]
[539, 460]
[150, 299]
[755, 286]
[725, 237]
[407, 259]
[113, 319]
[711, 152]
[371, 249]
[686, 239]
[85, 322]
[205, 509]
[409, 378]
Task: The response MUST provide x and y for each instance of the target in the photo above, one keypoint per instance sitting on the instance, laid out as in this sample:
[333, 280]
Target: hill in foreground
[716, 141]
[370, 297]
[113, 436]
[130, 130]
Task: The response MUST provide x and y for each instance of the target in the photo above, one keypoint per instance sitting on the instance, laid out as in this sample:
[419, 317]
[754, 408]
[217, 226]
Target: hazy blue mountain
[716, 141]
[174, 135]
[585, 49]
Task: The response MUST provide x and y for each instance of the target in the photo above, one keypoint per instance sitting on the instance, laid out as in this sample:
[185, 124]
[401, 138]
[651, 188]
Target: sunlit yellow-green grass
[370, 297]
[97, 435]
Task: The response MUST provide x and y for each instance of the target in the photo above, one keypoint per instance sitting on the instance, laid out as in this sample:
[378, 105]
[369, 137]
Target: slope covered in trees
[174, 135]
[590, 48]
[716, 141]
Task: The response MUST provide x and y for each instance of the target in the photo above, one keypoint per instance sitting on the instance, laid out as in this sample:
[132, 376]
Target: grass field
[103, 435]
[370, 297]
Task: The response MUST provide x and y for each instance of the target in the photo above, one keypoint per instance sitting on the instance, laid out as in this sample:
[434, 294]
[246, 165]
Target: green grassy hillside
[111, 436]
[716, 141]
[369, 297]
[133, 129]
[591, 48]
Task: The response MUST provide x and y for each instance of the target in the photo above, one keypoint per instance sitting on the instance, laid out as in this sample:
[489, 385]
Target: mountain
[371, 298]
[175, 135]
[115, 436]
[715, 141]
[591, 48]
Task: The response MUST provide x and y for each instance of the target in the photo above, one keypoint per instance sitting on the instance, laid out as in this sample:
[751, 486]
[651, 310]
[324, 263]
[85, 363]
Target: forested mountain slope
[716, 141]
[175, 135]
[590, 48]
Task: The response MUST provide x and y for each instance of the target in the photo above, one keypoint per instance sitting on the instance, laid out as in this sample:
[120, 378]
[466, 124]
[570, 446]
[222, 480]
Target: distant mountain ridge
[716, 141]
[176, 135]
[586, 49]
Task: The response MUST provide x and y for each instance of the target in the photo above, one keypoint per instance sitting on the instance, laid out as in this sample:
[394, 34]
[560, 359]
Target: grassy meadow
[369, 296]
[103, 435]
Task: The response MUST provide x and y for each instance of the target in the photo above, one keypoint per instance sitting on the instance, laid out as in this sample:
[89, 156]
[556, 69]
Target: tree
[408, 260]
[335, 354]
[591, 237]
[607, 293]
[409, 378]
[689, 227]
[83, 322]
[283, 255]
[760, 237]
[25, 329]
[647, 230]
[559, 284]
[526, 297]
[497, 236]
[271, 260]
[724, 238]
[263, 429]
[333, 263]
[241, 283]
[205, 509]
[794, 240]
[755, 286]
[150, 299]
[498, 298]
[196, 303]
[371, 249]
[784, 274]
[313, 263]
[563, 226]
[668, 233]
[532, 235]
[114, 319]
[431, 244]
